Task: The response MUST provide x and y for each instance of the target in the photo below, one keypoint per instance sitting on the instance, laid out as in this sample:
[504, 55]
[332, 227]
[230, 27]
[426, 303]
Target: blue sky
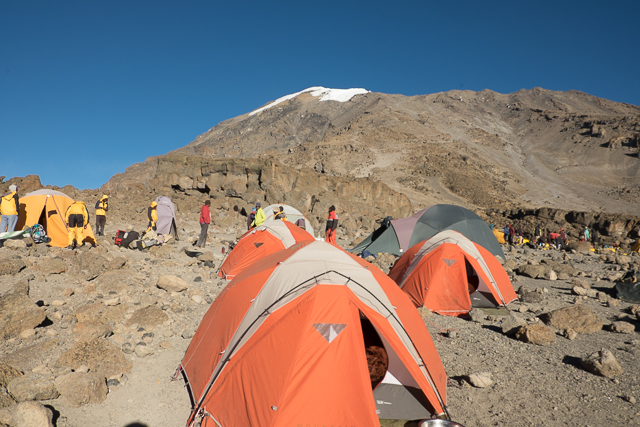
[88, 87]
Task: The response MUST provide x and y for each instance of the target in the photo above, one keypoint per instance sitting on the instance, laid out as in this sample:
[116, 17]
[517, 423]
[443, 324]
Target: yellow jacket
[9, 204]
[77, 208]
[102, 206]
[259, 219]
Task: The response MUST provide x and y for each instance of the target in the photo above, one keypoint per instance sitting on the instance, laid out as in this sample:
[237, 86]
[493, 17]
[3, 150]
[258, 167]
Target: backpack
[39, 235]
[120, 234]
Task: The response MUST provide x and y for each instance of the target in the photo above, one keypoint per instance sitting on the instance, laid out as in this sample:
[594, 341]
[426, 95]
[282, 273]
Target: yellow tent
[47, 207]
[499, 235]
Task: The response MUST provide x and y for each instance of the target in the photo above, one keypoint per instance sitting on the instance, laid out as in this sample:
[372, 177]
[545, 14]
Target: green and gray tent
[398, 235]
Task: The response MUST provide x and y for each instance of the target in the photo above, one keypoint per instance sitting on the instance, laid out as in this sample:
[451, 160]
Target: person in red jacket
[205, 220]
[332, 225]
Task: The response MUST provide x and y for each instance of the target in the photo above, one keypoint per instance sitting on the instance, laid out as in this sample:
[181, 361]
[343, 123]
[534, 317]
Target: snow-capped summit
[325, 94]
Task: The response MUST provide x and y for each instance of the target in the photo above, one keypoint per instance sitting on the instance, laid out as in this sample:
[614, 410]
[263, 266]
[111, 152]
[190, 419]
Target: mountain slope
[531, 148]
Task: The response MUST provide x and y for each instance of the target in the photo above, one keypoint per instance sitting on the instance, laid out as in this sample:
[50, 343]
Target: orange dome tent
[284, 345]
[270, 237]
[48, 207]
[449, 274]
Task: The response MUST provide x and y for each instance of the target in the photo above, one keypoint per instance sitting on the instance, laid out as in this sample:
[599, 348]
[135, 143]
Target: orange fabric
[256, 245]
[300, 377]
[55, 207]
[286, 363]
[439, 281]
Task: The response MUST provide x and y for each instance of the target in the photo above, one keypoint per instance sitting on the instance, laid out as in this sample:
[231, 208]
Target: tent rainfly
[166, 223]
[402, 234]
[449, 274]
[48, 208]
[270, 237]
[312, 335]
[292, 214]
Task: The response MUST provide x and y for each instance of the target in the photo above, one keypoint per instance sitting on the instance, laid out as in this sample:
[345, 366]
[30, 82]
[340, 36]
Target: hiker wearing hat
[260, 216]
[77, 219]
[152, 214]
[9, 208]
[332, 225]
[278, 213]
[205, 220]
[102, 206]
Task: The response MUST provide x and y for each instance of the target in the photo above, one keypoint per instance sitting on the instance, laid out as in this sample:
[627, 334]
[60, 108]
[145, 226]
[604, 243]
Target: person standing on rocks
[260, 216]
[9, 208]
[77, 219]
[205, 220]
[595, 238]
[152, 214]
[332, 225]
[102, 206]
[506, 234]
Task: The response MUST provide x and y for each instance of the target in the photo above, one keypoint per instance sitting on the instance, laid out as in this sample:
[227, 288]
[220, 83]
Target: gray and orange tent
[270, 237]
[48, 208]
[398, 235]
[449, 274]
[289, 342]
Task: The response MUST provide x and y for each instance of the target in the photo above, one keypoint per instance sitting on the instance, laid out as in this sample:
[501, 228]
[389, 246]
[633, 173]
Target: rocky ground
[94, 336]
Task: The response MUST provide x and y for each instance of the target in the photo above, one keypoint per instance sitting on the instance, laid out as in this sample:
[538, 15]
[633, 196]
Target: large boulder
[32, 387]
[27, 414]
[98, 355]
[580, 247]
[533, 271]
[18, 312]
[602, 363]
[171, 283]
[148, 317]
[82, 388]
[87, 265]
[9, 267]
[577, 317]
[536, 334]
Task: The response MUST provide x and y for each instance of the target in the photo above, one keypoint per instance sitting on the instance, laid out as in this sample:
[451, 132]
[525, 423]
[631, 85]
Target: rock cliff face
[242, 182]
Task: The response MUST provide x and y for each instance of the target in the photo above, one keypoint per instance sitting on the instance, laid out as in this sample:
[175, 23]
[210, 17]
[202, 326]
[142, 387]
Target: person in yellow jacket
[102, 206]
[9, 207]
[77, 219]
[260, 216]
[152, 214]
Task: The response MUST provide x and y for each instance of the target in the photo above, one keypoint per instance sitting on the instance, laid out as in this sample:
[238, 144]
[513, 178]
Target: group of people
[77, 219]
[512, 236]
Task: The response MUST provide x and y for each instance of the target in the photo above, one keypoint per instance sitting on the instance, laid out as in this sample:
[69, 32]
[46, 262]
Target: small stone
[476, 315]
[480, 380]
[142, 350]
[424, 311]
[197, 299]
[166, 345]
[602, 363]
[622, 327]
[613, 303]
[112, 302]
[187, 334]
[27, 334]
[570, 334]
[536, 334]
[127, 348]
